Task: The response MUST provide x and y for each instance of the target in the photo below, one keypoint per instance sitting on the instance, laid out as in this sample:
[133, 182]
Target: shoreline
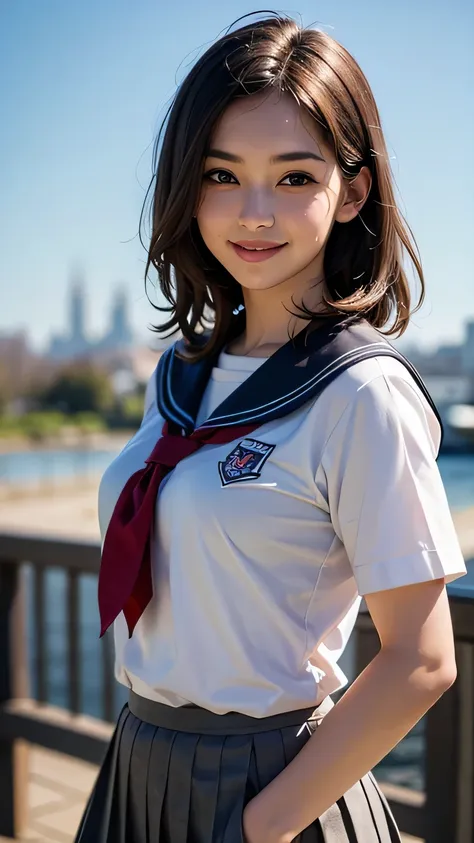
[107, 440]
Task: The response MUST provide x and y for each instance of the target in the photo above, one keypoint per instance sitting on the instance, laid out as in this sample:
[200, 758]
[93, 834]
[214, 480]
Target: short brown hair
[363, 262]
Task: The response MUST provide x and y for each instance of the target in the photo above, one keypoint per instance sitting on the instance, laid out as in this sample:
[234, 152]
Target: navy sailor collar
[295, 374]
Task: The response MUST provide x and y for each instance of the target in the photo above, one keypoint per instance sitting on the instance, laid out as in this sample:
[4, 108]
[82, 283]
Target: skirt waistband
[201, 721]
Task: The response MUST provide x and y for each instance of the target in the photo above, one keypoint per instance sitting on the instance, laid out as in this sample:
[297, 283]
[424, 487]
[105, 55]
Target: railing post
[449, 756]
[13, 683]
[441, 763]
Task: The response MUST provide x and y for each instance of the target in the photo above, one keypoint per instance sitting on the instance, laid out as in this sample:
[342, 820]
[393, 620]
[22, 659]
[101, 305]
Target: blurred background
[83, 88]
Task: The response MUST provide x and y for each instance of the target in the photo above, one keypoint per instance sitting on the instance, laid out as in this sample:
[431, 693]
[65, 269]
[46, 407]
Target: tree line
[80, 394]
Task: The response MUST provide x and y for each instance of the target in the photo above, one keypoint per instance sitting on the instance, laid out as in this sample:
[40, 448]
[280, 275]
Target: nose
[257, 210]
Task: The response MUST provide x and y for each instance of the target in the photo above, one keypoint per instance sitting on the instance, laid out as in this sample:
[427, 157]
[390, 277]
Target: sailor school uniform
[261, 550]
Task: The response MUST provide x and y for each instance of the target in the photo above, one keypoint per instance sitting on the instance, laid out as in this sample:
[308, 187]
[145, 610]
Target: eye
[298, 180]
[220, 177]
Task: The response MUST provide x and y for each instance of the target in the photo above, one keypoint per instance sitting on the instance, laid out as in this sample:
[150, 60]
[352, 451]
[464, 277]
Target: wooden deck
[58, 787]
[57, 792]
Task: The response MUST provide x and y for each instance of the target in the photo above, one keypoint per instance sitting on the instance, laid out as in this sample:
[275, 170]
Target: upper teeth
[255, 248]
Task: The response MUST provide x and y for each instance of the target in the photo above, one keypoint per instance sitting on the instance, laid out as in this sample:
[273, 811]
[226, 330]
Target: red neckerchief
[125, 582]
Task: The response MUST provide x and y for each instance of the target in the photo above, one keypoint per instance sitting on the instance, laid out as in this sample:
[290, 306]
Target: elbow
[434, 680]
[428, 677]
[446, 676]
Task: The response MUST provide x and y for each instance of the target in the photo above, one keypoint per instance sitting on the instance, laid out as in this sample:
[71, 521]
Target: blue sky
[83, 86]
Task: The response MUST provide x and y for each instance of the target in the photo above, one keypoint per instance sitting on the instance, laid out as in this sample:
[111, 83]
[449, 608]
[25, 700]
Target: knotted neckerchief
[125, 582]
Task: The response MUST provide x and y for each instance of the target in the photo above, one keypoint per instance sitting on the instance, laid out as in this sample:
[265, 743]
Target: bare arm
[415, 666]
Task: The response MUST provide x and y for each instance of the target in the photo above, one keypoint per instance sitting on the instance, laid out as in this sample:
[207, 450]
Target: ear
[354, 196]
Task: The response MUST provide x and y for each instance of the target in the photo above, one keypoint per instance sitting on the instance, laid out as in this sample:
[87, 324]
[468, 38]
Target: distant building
[16, 361]
[76, 343]
[116, 352]
[468, 350]
[127, 366]
[21, 370]
[449, 389]
[449, 360]
[120, 333]
[77, 313]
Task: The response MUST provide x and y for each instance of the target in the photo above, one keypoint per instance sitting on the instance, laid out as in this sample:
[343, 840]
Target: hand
[257, 824]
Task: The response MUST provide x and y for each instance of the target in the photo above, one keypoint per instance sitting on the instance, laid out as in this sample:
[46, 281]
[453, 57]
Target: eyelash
[211, 173]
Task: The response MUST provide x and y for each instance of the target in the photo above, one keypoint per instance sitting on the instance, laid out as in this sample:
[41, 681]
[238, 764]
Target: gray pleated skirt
[184, 775]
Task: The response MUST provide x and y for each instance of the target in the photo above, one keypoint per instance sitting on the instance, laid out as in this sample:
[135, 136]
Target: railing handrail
[79, 555]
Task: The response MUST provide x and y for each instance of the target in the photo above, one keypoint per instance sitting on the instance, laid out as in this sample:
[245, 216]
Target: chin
[268, 279]
[260, 284]
[259, 276]
[256, 279]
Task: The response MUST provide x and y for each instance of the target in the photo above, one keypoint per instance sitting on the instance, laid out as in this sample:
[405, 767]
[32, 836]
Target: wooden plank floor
[57, 792]
[58, 787]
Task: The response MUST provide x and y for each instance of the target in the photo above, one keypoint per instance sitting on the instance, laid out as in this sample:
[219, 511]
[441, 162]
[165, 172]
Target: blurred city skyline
[85, 86]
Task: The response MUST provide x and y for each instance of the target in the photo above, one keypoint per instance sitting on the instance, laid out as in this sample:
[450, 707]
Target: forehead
[266, 118]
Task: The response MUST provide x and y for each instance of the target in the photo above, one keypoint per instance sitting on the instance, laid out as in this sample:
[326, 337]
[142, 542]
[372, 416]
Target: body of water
[35, 467]
[403, 766]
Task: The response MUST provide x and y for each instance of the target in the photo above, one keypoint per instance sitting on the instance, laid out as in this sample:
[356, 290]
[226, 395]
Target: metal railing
[442, 814]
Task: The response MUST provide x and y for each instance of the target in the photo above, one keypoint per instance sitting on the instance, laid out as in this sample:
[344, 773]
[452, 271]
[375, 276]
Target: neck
[270, 318]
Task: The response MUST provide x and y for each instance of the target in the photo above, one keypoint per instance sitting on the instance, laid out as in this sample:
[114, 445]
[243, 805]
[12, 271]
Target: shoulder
[379, 396]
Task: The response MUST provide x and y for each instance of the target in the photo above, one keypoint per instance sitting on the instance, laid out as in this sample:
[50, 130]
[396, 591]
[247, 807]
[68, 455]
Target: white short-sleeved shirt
[257, 584]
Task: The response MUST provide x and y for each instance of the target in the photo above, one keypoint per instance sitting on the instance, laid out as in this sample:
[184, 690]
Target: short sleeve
[385, 494]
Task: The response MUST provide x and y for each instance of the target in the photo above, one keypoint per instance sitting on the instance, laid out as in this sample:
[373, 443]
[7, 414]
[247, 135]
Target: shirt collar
[296, 373]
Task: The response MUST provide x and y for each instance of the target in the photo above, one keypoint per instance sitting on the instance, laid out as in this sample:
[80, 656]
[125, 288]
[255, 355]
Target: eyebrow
[276, 159]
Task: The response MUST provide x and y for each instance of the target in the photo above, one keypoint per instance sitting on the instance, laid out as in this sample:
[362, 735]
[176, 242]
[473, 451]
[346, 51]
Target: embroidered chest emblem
[245, 462]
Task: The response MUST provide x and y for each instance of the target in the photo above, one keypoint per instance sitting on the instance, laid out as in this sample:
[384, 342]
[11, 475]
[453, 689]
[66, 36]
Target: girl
[295, 452]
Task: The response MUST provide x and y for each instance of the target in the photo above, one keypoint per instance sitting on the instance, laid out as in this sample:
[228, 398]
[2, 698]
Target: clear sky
[83, 84]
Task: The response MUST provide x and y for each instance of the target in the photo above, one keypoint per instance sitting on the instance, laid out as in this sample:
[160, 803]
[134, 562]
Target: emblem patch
[245, 462]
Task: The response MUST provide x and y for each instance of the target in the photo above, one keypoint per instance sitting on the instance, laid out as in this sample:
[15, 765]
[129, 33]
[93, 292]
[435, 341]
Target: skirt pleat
[181, 772]
[158, 769]
[127, 811]
[269, 756]
[139, 777]
[160, 784]
[231, 796]
[206, 783]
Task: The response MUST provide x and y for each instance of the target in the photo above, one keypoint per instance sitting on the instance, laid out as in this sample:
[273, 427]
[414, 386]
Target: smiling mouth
[257, 246]
[256, 253]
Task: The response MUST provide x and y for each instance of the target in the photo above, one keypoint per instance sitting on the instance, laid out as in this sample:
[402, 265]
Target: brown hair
[363, 269]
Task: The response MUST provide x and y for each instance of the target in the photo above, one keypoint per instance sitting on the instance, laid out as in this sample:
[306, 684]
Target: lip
[257, 244]
[242, 249]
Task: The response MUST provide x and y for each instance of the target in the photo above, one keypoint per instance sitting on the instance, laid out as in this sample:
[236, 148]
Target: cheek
[215, 208]
[313, 215]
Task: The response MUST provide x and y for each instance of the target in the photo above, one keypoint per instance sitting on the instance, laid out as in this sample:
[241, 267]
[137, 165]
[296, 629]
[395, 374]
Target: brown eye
[220, 177]
[297, 180]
